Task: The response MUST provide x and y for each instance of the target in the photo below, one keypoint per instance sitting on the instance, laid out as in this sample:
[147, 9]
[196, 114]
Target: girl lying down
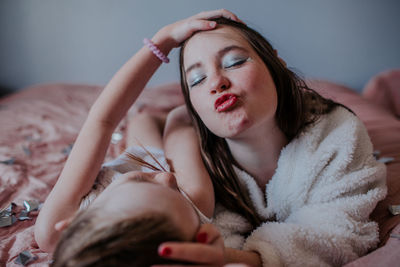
[131, 212]
[133, 206]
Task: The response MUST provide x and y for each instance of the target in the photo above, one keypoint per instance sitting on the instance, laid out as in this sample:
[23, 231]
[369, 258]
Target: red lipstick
[225, 102]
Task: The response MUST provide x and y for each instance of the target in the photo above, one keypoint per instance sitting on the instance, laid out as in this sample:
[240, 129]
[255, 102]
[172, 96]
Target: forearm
[93, 140]
[90, 147]
[91, 144]
[94, 137]
[250, 258]
[126, 85]
[107, 111]
[76, 179]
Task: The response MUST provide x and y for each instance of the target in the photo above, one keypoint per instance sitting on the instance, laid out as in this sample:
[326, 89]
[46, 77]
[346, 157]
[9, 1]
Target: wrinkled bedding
[39, 125]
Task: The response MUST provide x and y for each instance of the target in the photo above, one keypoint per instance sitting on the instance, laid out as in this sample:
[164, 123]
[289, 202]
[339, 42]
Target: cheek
[260, 84]
[205, 109]
[199, 103]
[255, 78]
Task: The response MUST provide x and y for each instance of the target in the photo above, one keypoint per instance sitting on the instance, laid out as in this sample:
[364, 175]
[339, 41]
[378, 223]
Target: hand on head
[183, 29]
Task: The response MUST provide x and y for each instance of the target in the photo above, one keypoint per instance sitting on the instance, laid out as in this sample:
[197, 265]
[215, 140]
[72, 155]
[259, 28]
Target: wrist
[163, 41]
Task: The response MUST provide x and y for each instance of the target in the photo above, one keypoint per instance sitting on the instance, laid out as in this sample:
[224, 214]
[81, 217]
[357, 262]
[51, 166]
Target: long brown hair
[298, 106]
[88, 241]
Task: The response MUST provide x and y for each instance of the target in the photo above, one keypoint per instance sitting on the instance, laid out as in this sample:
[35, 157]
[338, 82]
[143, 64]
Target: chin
[233, 126]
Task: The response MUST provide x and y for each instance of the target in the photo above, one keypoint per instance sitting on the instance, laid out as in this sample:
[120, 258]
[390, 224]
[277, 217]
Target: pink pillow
[161, 98]
[384, 90]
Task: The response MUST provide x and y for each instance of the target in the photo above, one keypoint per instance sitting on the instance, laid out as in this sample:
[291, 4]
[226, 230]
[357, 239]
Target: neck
[257, 151]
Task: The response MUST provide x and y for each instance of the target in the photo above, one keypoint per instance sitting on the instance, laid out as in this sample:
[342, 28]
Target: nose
[167, 179]
[219, 83]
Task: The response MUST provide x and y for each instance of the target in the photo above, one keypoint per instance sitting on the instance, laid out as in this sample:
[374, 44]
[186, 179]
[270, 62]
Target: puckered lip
[222, 99]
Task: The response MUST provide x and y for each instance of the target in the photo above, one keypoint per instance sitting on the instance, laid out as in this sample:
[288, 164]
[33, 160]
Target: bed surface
[39, 125]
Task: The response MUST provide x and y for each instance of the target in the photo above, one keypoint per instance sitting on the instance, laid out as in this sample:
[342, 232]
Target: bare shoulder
[177, 119]
[179, 116]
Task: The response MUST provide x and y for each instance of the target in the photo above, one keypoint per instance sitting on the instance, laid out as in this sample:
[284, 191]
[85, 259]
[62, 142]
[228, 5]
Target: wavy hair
[298, 106]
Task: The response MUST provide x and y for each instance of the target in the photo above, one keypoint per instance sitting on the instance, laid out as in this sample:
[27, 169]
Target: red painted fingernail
[202, 237]
[165, 251]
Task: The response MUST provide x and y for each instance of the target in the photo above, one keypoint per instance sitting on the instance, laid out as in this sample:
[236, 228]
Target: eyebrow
[220, 53]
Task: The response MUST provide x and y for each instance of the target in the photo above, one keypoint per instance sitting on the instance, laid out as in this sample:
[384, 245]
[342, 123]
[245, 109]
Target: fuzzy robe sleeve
[325, 187]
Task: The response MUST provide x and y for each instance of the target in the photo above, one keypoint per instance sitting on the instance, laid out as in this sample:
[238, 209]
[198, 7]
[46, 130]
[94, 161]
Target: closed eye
[197, 81]
[235, 63]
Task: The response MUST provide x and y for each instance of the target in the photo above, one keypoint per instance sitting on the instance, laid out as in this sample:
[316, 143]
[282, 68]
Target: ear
[63, 224]
[280, 59]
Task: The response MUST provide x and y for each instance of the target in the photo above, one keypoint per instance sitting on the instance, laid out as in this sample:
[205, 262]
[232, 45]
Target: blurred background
[86, 41]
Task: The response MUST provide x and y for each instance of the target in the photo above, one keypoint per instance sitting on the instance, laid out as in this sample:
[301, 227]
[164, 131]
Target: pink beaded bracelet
[155, 50]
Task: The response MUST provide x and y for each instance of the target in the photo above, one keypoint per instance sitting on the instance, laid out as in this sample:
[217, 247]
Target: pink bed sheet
[37, 127]
[39, 124]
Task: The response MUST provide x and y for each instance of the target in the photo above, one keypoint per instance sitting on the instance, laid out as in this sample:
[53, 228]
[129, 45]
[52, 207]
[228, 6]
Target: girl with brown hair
[297, 167]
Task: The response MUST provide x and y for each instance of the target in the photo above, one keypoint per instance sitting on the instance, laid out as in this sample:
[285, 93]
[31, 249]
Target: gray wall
[86, 41]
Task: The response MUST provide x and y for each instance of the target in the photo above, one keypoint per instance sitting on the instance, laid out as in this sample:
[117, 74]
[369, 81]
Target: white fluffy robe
[325, 186]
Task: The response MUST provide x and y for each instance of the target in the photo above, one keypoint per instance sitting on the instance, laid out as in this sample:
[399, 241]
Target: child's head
[128, 221]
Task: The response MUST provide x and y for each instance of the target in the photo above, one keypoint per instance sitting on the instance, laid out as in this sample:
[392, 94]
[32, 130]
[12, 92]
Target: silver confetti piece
[27, 151]
[394, 209]
[31, 205]
[7, 220]
[395, 236]
[25, 257]
[376, 154]
[8, 161]
[35, 138]
[116, 137]
[23, 216]
[386, 159]
[68, 149]
[4, 213]
[7, 211]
